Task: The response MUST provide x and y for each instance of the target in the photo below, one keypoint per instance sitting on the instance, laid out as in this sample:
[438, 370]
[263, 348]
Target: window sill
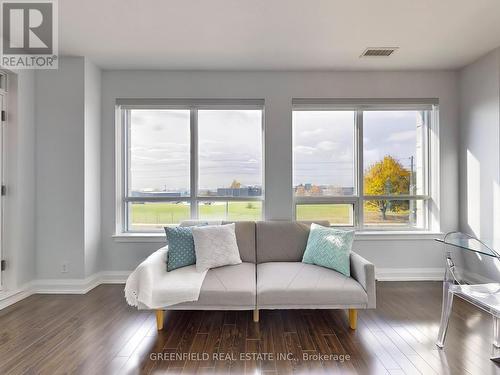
[360, 236]
[397, 235]
[140, 237]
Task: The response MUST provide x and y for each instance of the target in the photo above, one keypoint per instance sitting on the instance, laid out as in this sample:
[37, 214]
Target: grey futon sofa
[272, 276]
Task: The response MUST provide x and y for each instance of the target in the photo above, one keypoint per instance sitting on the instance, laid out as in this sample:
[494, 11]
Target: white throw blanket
[151, 286]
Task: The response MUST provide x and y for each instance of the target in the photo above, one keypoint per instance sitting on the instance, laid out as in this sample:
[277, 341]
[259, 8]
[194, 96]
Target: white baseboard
[409, 274]
[79, 286]
[83, 286]
[10, 297]
[114, 277]
[62, 286]
[66, 286]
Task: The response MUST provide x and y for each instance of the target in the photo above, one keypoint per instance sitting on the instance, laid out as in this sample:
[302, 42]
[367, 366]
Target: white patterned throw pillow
[215, 246]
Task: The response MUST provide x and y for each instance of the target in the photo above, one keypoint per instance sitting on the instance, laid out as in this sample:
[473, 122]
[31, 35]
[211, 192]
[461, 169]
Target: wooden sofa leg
[353, 318]
[256, 315]
[159, 319]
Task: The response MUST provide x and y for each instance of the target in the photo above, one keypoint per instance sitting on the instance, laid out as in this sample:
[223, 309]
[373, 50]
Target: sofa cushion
[245, 237]
[300, 285]
[228, 287]
[282, 241]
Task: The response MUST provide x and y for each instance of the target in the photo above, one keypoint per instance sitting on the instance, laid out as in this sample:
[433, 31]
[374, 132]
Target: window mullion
[427, 165]
[194, 163]
[359, 166]
[126, 157]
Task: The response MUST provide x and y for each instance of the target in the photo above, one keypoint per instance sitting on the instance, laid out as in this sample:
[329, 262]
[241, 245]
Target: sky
[230, 146]
[324, 143]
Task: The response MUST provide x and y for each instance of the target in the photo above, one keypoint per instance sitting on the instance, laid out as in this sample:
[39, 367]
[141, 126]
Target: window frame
[122, 155]
[430, 153]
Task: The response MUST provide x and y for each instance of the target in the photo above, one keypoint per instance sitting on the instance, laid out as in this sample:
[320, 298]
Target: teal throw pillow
[180, 247]
[330, 248]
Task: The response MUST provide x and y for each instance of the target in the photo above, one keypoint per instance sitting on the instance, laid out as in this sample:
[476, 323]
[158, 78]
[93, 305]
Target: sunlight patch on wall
[496, 216]
[473, 194]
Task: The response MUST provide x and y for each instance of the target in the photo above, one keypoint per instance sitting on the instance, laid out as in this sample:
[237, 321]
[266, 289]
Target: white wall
[59, 96]
[53, 171]
[480, 159]
[19, 214]
[92, 192]
[68, 161]
[480, 148]
[278, 89]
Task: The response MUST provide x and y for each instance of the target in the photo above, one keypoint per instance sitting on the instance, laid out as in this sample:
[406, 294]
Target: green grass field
[338, 214]
[149, 216]
[156, 215]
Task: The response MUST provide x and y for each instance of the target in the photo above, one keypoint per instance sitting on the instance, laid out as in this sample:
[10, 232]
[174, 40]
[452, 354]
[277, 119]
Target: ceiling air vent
[379, 51]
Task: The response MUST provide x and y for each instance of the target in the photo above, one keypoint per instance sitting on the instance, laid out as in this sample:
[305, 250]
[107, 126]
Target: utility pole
[412, 176]
[413, 214]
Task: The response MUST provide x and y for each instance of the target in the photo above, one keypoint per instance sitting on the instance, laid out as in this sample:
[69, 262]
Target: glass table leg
[445, 313]
[495, 351]
[496, 332]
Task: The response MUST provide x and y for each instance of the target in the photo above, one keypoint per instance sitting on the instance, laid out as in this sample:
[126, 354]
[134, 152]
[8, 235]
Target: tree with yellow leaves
[387, 177]
[235, 184]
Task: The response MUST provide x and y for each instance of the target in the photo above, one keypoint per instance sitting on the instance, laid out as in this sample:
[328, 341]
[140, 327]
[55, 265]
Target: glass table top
[469, 243]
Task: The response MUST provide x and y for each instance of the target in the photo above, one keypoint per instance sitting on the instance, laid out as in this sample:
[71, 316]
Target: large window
[189, 161]
[363, 166]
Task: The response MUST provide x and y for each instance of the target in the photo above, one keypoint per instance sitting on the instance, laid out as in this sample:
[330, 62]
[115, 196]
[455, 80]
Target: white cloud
[402, 136]
[326, 146]
[304, 150]
[207, 142]
[371, 156]
[315, 132]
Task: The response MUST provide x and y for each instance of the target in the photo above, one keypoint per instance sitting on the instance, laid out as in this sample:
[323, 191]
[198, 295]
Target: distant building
[247, 191]
[300, 191]
[310, 190]
[149, 194]
[338, 190]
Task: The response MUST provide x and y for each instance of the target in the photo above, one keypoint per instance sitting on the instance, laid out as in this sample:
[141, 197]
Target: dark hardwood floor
[98, 333]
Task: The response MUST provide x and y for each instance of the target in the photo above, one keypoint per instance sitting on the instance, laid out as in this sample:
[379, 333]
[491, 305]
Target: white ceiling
[278, 34]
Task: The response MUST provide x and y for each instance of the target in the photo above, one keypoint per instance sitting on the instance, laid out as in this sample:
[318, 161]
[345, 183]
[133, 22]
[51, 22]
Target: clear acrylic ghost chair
[473, 274]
